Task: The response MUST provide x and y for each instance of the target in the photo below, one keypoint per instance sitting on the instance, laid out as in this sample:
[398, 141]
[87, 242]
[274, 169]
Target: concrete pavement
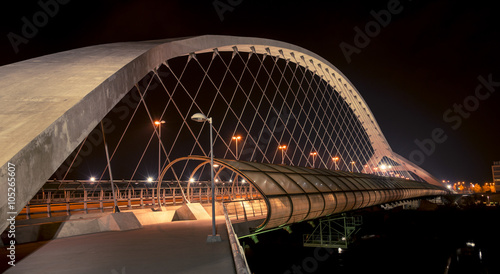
[174, 247]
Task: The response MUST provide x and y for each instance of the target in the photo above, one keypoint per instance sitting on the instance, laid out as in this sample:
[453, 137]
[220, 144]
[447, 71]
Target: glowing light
[150, 179]
[470, 244]
[191, 180]
[92, 179]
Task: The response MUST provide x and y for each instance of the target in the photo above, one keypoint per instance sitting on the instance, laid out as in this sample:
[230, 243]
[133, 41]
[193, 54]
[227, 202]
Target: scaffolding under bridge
[334, 232]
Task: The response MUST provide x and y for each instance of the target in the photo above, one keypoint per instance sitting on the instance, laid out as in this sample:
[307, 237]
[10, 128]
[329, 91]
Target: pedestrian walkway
[174, 247]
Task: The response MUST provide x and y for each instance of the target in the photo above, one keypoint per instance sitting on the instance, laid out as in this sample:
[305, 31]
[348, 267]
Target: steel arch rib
[205, 161]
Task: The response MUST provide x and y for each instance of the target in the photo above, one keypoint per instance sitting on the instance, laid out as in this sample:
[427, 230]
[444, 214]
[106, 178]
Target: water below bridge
[447, 240]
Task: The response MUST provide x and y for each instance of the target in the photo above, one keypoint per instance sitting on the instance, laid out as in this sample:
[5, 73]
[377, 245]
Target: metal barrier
[240, 261]
[63, 202]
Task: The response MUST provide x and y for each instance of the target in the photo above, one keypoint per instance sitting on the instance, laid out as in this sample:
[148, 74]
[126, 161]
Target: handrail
[240, 261]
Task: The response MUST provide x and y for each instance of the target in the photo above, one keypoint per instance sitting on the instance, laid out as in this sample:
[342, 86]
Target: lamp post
[201, 118]
[335, 160]
[313, 154]
[236, 139]
[352, 166]
[282, 148]
[158, 123]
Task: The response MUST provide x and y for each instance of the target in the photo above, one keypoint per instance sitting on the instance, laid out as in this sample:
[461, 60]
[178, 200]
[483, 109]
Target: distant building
[495, 170]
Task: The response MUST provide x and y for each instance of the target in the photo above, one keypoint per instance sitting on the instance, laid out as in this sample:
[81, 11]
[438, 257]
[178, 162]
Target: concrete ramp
[149, 217]
[190, 211]
[77, 225]
[110, 222]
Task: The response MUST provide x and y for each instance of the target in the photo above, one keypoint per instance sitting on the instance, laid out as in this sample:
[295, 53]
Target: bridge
[292, 133]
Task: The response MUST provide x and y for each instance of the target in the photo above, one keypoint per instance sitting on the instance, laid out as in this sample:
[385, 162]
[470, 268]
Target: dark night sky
[426, 59]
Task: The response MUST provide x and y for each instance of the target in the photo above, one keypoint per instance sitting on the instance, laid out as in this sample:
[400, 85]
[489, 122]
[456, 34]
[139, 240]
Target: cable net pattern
[267, 100]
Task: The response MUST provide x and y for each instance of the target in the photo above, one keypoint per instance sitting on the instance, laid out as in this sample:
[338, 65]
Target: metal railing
[239, 258]
[56, 203]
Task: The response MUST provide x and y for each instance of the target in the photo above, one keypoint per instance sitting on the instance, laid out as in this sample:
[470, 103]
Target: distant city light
[191, 180]
[470, 244]
[150, 179]
[92, 179]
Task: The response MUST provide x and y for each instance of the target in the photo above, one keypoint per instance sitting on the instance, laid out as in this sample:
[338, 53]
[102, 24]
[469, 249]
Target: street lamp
[158, 123]
[313, 154]
[236, 139]
[335, 160]
[201, 118]
[352, 163]
[282, 148]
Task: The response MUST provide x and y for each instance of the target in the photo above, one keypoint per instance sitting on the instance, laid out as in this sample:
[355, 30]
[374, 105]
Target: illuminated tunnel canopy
[293, 194]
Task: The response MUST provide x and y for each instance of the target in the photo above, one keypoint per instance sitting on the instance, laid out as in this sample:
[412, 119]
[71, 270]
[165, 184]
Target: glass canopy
[293, 194]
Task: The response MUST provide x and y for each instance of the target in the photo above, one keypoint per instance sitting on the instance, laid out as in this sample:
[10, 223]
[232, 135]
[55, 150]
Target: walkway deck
[176, 247]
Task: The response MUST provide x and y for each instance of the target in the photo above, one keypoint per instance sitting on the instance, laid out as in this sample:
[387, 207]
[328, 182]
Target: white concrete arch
[49, 104]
